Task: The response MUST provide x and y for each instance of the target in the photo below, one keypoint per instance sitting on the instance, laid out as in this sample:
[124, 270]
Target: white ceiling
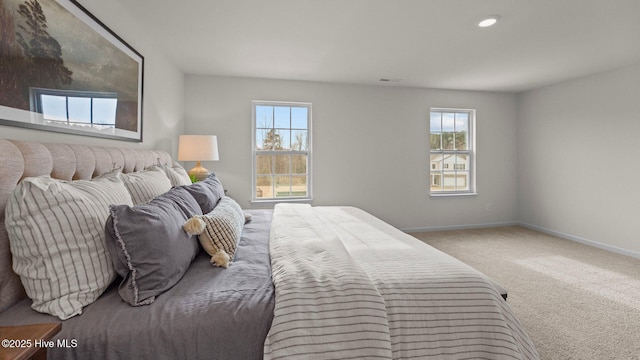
[425, 43]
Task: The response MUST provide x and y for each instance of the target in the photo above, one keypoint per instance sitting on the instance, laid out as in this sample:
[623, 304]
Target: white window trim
[35, 103]
[472, 155]
[307, 199]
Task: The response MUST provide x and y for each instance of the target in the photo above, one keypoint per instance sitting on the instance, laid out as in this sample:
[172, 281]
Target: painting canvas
[62, 70]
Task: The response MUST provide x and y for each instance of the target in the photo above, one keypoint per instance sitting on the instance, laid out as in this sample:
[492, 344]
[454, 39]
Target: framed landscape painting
[63, 70]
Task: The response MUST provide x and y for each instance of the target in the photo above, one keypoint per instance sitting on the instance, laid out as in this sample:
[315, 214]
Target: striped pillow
[56, 235]
[223, 228]
[145, 185]
[177, 175]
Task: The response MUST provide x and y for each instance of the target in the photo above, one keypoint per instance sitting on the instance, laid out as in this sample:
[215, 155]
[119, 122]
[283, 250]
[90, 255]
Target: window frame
[470, 152]
[36, 104]
[255, 152]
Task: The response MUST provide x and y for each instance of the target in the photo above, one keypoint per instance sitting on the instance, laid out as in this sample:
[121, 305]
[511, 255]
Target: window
[77, 108]
[281, 151]
[452, 151]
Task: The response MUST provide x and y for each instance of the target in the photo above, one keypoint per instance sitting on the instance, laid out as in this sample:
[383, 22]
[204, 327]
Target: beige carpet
[575, 301]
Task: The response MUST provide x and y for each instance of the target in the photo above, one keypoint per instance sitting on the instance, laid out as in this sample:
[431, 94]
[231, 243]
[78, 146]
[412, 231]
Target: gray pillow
[203, 195]
[148, 246]
[214, 184]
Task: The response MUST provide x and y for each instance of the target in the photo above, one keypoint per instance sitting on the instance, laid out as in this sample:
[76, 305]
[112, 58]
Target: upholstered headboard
[20, 159]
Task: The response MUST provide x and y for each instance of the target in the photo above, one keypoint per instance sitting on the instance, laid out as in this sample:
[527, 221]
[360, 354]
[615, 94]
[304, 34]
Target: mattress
[228, 313]
[350, 286]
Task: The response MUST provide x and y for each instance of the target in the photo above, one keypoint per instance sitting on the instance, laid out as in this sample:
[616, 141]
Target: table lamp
[198, 148]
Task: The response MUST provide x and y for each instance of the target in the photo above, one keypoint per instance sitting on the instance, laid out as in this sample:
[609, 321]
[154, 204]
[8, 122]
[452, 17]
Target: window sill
[268, 202]
[445, 195]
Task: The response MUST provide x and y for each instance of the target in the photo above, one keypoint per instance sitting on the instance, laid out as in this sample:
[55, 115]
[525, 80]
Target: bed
[306, 282]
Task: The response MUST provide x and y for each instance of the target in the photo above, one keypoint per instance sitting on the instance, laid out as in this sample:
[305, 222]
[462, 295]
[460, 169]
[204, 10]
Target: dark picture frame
[63, 70]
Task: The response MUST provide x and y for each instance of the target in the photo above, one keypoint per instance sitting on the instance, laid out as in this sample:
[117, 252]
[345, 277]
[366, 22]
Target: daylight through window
[281, 151]
[451, 151]
[75, 108]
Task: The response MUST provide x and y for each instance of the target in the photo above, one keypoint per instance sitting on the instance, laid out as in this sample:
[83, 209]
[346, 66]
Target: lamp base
[199, 172]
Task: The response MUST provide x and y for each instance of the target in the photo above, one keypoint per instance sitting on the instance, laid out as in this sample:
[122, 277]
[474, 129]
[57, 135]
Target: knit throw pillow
[219, 231]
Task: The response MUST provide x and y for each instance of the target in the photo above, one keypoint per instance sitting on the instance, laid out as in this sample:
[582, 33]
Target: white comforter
[349, 286]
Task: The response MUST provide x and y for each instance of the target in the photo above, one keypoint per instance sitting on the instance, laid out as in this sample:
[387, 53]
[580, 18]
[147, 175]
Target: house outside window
[452, 151]
[281, 151]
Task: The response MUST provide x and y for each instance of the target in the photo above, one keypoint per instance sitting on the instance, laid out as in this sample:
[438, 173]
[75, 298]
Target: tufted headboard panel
[20, 159]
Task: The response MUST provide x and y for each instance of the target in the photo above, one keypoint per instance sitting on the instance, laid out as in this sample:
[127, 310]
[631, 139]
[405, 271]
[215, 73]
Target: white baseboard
[599, 245]
[458, 227]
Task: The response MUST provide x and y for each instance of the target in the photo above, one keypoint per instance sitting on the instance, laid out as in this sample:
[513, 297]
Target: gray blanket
[212, 313]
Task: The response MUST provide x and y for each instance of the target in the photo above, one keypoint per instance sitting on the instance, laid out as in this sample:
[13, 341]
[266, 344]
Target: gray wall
[370, 146]
[579, 159]
[562, 158]
[163, 103]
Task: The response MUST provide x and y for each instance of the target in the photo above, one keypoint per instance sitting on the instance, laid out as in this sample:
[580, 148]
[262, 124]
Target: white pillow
[56, 236]
[177, 175]
[145, 185]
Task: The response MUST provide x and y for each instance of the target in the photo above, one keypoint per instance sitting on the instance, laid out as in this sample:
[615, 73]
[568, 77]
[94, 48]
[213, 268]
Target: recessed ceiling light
[489, 21]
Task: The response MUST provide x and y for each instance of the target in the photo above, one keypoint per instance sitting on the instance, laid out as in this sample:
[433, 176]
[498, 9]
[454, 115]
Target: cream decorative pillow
[177, 175]
[56, 236]
[145, 185]
[219, 231]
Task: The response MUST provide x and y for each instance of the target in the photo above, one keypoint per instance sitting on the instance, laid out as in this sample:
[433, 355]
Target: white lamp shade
[198, 148]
